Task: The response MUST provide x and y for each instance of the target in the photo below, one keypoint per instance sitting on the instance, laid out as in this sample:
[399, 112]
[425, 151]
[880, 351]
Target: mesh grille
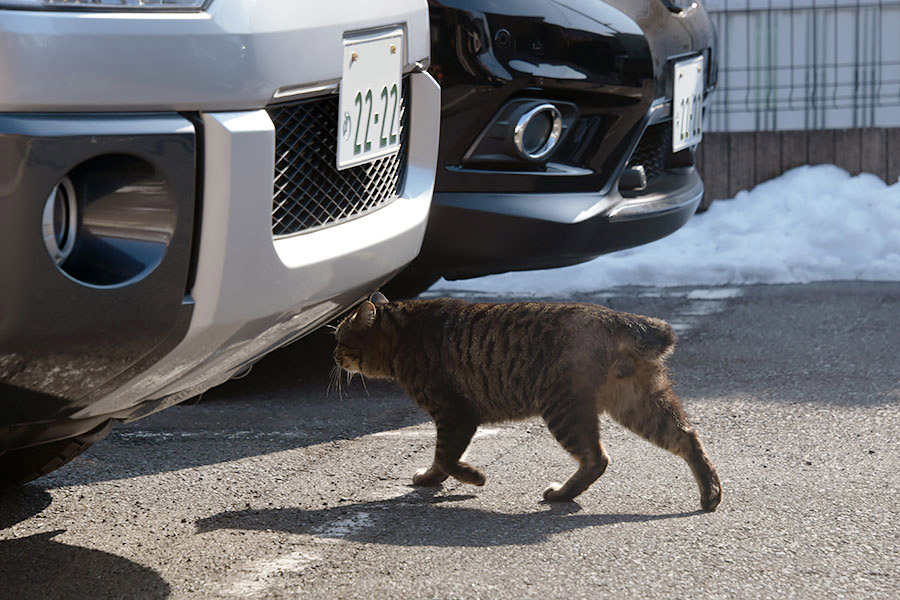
[653, 150]
[309, 190]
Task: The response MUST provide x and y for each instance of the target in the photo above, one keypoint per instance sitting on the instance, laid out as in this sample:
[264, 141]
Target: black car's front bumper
[480, 234]
[615, 63]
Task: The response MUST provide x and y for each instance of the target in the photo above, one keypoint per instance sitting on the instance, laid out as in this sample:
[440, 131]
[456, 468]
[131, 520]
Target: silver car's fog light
[60, 221]
[537, 131]
[110, 220]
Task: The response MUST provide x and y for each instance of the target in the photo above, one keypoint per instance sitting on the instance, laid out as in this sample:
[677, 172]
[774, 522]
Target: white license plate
[687, 104]
[369, 113]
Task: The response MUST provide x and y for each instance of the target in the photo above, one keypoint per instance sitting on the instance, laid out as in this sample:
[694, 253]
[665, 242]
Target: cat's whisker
[363, 380]
[332, 379]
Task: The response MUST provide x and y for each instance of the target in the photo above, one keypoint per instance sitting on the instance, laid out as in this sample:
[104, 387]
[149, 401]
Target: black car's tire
[23, 465]
[705, 202]
[407, 286]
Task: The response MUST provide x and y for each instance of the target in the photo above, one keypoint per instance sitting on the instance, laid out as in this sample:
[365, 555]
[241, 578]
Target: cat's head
[355, 351]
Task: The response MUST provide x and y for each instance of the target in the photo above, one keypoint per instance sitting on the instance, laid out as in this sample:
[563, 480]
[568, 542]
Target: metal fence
[806, 64]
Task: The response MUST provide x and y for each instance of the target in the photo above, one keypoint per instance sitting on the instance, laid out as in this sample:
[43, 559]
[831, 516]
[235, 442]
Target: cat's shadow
[425, 518]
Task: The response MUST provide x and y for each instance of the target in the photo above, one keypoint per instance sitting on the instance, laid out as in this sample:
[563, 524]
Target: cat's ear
[378, 299]
[365, 314]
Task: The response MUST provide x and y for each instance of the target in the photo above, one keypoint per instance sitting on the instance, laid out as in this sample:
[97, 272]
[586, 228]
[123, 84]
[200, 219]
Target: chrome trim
[552, 139]
[108, 8]
[551, 169]
[419, 66]
[298, 92]
[660, 110]
[59, 255]
[331, 86]
[641, 207]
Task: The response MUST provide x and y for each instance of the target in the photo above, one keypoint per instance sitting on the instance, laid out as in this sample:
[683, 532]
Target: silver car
[186, 185]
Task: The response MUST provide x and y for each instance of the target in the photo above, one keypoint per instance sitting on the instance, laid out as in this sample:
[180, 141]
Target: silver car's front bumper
[220, 69]
[253, 293]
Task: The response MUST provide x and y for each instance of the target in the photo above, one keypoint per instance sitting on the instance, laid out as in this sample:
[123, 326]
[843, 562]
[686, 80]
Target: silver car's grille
[310, 192]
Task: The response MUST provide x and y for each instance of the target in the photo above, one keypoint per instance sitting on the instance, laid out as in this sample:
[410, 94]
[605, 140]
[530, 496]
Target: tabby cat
[468, 364]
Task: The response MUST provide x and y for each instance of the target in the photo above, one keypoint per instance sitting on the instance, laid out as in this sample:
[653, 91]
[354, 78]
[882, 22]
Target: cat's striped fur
[468, 364]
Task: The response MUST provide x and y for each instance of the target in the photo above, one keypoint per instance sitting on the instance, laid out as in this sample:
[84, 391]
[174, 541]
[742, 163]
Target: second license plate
[687, 104]
[369, 113]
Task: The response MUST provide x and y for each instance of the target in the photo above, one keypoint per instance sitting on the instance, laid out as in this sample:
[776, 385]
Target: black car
[568, 130]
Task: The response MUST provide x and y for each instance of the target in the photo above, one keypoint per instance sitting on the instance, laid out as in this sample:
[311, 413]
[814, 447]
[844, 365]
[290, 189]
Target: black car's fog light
[523, 134]
[538, 131]
[109, 221]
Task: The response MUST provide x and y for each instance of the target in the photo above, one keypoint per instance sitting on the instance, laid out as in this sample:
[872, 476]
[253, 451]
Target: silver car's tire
[23, 465]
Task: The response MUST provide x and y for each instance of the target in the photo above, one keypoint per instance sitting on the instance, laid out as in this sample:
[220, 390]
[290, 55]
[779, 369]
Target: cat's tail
[651, 339]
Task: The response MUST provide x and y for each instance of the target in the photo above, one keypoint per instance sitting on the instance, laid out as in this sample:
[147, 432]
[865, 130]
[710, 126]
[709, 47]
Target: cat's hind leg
[454, 433]
[659, 418]
[578, 432]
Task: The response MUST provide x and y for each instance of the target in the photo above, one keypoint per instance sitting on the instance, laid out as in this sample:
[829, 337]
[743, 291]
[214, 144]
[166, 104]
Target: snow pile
[811, 224]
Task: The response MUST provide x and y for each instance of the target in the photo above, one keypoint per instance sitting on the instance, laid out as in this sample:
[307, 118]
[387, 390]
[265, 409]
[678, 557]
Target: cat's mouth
[338, 375]
[346, 364]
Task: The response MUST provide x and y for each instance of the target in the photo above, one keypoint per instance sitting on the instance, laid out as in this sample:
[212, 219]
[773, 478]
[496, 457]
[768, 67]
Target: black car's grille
[653, 150]
[310, 192]
[580, 145]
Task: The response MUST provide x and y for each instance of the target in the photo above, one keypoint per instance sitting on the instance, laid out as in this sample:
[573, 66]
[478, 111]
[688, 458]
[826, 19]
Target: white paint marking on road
[342, 528]
[150, 435]
[704, 302]
[722, 293]
[142, 434]
[427, 431]
[715, 294]
[681, 327]
[254, 578]
[702, 308]
[486, 432]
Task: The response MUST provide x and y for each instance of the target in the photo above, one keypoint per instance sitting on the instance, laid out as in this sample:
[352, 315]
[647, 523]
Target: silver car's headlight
[163, 5]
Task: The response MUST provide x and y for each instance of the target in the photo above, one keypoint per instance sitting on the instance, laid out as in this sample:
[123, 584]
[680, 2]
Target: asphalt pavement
[274, 487]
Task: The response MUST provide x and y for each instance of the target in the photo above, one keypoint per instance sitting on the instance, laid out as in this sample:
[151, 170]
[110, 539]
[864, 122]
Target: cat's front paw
[429, 477]
[552, 493]
[711, 499]
[556, 492]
